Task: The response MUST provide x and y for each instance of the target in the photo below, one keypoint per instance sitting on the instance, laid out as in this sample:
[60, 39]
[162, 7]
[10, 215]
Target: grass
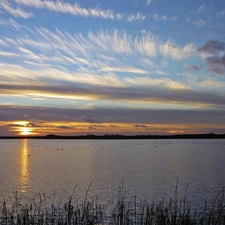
[171, 211]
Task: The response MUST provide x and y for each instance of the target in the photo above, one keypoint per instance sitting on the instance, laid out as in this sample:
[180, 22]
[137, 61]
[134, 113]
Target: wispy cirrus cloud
[220, 14]
[163, 18]
[46, 74]
[16, 12]
[199, 23]
[137, 17]
[8, 54]
[114, 42]
[148, 2]
[169, 49]
[202, 8]
[10, 23]
[211, 84]
[124, 70]
[97, 52]
[163, 82]
[64, 7]
[2, 43]
[101, 59]
[77, 10]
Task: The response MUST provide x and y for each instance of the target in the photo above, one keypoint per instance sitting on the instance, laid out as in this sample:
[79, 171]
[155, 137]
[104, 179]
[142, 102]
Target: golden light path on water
[24, 169]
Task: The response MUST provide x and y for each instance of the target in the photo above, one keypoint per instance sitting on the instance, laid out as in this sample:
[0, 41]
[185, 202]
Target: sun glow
[21, 123]
[25, 131]
[23, 128]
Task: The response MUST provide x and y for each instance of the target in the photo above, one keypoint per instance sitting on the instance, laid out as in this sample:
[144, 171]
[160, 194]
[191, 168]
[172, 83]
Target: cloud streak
[163, 18]
[16, 12]
[10, 23]
[102, 59]
[137, 117]
[148, 2]
[148, 94]
[77, 10]
[114, 42]
[199, 23]
[137, 17]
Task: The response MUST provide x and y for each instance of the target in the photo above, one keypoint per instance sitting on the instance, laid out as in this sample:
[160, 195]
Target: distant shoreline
[121, 137]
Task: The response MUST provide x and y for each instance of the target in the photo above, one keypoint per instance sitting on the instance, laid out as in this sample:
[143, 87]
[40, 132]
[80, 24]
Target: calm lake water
[148, 169]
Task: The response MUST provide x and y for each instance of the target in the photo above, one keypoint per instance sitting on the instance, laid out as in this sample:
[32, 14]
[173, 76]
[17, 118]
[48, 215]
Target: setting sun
[25, 131]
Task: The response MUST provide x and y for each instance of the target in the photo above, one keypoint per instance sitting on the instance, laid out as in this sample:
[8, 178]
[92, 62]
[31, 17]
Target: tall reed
[172, 211]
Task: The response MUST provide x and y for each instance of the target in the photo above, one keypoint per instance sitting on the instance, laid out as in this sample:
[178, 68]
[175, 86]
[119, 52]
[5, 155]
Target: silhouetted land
[118, 136]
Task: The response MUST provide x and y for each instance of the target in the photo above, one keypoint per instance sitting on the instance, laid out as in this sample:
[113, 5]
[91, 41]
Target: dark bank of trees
[119, 136]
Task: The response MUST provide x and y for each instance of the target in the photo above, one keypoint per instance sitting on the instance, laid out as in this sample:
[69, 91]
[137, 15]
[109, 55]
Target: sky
[112, 67]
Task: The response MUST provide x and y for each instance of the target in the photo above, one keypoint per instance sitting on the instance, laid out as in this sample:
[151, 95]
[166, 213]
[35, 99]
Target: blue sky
[131, 67]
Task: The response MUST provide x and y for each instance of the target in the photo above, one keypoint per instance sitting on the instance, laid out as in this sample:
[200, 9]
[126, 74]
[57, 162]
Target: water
[148, 169]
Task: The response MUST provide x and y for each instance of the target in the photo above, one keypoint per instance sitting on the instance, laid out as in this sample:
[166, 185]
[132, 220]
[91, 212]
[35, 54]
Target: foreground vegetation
[172, 211]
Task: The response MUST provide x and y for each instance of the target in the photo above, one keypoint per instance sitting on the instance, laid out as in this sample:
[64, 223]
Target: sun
[23, 128]
[25, 131]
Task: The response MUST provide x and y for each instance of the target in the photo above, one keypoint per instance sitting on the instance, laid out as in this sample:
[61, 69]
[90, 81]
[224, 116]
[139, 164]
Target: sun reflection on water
[24, 172]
